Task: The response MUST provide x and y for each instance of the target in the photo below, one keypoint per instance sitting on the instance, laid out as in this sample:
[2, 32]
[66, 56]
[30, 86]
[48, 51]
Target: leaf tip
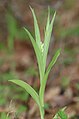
[24, 28]
[54, 15]
[60, 50]
[31, 9]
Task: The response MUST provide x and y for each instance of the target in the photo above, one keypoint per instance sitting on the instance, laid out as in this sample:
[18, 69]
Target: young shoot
[41, 51]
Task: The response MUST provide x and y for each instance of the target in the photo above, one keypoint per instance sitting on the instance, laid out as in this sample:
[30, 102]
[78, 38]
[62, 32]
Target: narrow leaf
[37, 52]
[53, 61]
[46, 32]
[37, 32]
[47, 38]
[48, 20]
[28, 88]
[43, 84]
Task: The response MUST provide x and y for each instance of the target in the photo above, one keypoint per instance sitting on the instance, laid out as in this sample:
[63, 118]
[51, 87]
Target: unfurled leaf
[38, 53]
[48, 21]
[37, 32]
[53, 61]
[28, 88]
[47, 38]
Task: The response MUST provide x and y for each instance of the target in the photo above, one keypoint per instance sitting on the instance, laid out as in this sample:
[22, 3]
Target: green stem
[42, 112]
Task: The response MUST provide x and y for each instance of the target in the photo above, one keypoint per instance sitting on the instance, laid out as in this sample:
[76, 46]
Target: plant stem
[42, 112]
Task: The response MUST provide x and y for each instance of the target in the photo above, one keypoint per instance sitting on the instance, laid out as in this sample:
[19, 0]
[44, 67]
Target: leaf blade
[53, 61]
[28, 88]
[37, 52]
[48, 33]
[37, 32]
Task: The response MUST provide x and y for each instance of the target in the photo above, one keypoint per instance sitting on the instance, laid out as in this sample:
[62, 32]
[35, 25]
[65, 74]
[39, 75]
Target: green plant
[41, 51]
[61, 113]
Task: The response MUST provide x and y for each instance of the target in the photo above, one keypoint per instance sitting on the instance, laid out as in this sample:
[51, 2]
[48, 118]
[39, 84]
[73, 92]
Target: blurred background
[18, 61]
